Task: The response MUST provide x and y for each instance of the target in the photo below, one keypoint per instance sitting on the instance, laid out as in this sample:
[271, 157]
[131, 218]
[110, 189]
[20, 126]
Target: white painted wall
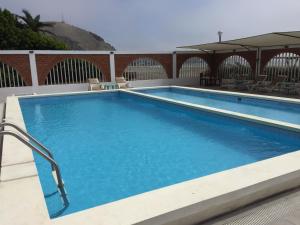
[49, 89]
[162, 82]
[44, 89]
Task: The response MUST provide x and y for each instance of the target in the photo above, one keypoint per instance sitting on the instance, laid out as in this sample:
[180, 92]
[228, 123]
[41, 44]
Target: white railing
[284, 64]
[144, 69]
[9, 77]
[73, 71]
[71, 75]
[194, 67]
[235, 67]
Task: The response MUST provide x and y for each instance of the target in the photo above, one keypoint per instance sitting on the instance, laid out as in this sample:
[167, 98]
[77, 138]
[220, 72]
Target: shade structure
[275, 39]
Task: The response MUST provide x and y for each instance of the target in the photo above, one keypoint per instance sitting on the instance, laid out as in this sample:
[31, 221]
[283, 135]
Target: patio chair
[261, 83]
[94, 84]
[244, 84]
[252, 86]
[228, 83]
[276, 85]
[263, 86]
[290, 88]
[122, 83]
[273, 87]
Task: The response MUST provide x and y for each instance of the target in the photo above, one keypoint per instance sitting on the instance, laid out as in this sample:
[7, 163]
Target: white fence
[194, 67]
[144, 69]
[9, 77]
[284, 64]
[72, 71]
[235, 67]
[71, 74]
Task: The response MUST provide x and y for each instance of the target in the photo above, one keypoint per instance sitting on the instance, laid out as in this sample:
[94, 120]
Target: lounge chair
[244, 84]
[122, 83]
[290, 88]
[261, 82]
[94, 84]
[228, 83]
[275, 86]
[263, 86]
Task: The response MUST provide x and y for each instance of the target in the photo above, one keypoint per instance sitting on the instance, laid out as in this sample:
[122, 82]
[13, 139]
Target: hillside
[77, 38]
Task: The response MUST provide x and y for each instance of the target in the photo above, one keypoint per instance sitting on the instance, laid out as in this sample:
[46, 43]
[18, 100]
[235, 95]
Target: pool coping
[248, 117]
[248, 95]
[183, 203]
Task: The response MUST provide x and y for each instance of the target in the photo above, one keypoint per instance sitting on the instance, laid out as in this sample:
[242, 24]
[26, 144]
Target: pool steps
[45, 153]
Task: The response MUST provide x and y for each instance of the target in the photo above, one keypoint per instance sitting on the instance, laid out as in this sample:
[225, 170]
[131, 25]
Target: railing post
[33, 70]
[174, 65]
[258, 62]
[112, 67]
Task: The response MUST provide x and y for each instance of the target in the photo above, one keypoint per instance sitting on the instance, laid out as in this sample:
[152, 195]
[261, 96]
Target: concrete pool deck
[184, 203]
[281, 209]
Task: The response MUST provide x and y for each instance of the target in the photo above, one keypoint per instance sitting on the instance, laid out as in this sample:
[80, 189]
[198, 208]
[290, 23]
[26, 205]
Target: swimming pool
[275, 110]
[114, 145]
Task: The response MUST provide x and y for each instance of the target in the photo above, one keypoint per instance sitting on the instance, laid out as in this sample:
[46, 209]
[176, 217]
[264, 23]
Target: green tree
[16, 36]
[33, 23]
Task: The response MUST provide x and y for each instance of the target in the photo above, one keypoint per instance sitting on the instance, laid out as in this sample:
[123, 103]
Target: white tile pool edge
[240, 94]
[248, 117]
[183, 203]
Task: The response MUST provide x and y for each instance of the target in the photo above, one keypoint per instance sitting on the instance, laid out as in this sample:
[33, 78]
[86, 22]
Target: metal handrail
[4, 124]
[45, 156]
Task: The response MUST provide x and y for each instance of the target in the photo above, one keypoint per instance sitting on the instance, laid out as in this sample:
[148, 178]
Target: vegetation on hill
[23, 33]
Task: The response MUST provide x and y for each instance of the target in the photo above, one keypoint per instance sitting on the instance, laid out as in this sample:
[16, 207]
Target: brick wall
[45, 63]
[122, 61]
[21, 64]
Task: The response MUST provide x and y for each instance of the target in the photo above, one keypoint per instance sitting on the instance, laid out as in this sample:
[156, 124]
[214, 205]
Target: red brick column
[20, 62]
[45, 63]
[122, 61]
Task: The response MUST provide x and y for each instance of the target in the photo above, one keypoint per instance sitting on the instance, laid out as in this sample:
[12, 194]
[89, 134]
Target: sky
[161, 25]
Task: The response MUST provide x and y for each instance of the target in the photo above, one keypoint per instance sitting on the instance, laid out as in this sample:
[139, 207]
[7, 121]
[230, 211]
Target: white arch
[73, 70]
[234, 66]
[10, 77]
[194, 67]
[144, 69]
[284, 64]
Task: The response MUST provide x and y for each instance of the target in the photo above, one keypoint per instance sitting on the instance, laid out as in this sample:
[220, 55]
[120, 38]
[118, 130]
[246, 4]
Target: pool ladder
[45, 153]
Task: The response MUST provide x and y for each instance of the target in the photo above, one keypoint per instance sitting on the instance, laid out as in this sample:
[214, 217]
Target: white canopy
[276, 39]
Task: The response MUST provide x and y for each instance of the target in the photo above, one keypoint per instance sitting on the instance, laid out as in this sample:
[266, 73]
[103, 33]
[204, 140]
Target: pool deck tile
[21, 199]
[21, 203]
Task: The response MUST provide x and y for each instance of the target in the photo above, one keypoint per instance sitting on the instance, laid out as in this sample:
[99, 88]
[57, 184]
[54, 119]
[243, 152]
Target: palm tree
[33, 23]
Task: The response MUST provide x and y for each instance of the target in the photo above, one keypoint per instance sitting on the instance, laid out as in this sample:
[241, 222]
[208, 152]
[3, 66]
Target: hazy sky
[166, 24]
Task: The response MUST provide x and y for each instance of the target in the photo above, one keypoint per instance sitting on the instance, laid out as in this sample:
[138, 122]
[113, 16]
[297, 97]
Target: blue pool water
[114, 145]
[275, 110]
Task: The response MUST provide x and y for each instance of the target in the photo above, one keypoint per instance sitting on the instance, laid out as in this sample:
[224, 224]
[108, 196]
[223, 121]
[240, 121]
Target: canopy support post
[258, 62]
